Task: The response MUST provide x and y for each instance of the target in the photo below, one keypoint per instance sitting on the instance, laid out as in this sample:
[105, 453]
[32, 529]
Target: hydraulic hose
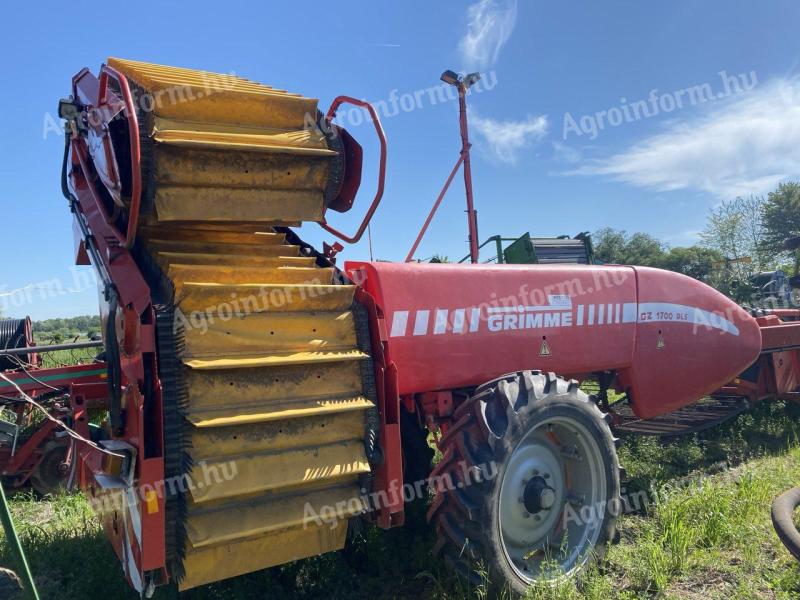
[783, 520]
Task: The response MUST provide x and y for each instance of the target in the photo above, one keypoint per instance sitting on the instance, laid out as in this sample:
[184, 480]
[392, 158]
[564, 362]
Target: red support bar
[434, 209]
[381, 167]
[40, 380]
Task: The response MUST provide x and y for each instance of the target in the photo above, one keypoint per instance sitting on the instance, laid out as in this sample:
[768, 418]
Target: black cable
[64, 185]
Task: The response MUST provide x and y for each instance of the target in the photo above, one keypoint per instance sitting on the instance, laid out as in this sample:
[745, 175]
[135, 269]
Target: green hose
[16, 547]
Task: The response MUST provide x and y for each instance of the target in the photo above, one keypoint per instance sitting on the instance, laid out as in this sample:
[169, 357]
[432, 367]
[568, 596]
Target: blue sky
[568, 132]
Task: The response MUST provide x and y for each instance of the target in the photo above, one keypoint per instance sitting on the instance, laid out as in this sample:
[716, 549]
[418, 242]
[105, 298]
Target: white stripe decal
[133, 510]
[130, 565]
[399, 323]
[503, 309]
[454, 320]
[421, 322]
[474, 320]
[650, 312]
[440, 323]
[519, 309]
[629, 312]
[458, 320]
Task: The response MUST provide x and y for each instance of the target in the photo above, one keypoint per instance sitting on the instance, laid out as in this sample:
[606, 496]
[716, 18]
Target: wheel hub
[538, 496]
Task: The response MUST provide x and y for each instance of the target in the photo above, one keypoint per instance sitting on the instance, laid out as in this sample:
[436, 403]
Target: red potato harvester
[259, 397]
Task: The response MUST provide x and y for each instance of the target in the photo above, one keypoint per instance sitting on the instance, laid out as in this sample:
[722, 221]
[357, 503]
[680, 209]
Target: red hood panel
[671, 338]
[690, 341]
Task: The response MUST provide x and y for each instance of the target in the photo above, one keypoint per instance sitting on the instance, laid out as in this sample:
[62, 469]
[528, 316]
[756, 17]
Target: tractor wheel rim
[795, 297]
[552, 500]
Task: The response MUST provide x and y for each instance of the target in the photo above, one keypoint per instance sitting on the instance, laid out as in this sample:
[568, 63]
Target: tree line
[741, 237]
[61, 329]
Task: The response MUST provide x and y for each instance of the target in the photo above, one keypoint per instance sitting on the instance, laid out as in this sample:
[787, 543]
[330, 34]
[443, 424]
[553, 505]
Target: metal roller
[14, 334]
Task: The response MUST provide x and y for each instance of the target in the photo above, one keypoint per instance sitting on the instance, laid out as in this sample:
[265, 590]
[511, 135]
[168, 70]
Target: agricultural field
[60, 331]
[703, 532]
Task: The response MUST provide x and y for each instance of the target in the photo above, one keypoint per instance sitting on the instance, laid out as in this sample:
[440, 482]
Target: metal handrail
[133, 135]
[381, 167]
[498, 240]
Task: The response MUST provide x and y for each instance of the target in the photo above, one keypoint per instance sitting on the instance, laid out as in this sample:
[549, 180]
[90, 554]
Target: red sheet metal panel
[453, 326]
[671, 338]
[690, 340]
[780, 337]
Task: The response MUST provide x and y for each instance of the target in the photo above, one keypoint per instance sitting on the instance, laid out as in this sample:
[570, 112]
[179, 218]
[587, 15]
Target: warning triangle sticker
[660, 344]
[544, 349]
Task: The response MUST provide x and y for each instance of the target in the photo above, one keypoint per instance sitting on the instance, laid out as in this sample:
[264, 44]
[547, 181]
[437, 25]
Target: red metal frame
[88, 88]
[381, 167]
[776, 373]
[132, 296]
[389, 474]
[37, 381]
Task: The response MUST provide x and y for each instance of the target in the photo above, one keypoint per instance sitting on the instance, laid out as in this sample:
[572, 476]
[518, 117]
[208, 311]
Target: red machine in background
[34, 447]
[776, 374]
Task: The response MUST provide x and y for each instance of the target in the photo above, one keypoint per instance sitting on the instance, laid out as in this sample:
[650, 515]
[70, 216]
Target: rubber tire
[794, 292]
[488, 428]
[10, 585]
[42, 479]
[783, 520]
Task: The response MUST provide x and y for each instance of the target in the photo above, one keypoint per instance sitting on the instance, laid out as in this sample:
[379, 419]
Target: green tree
[704, 264]
[781, 217]
[66, 326]
[735, 229]
[616, 246]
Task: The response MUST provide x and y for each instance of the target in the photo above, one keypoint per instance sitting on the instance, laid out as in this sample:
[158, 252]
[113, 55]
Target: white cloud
[490, 25]
[744, 147]
[564, 153]
[505, 139]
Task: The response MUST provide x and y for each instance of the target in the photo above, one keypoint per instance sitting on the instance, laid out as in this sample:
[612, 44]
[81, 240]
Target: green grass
[66, 357]
[705, 534]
